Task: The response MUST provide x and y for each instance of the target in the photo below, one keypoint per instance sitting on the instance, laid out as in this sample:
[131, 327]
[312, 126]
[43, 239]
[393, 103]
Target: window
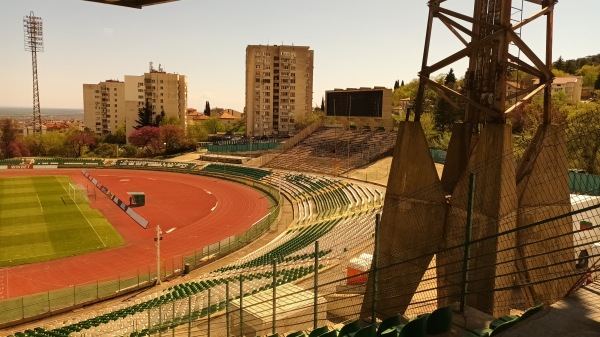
[258, 66]
[266, 107]
[267, 73]
[267, 93]
[267, 87]
[266, 100]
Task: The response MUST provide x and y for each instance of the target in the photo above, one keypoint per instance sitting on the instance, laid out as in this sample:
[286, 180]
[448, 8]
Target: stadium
[226, 230]
[351, 227]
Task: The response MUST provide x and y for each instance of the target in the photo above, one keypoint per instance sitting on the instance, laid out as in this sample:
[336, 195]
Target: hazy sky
[356, 43]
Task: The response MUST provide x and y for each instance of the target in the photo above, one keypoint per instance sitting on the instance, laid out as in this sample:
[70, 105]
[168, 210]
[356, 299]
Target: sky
[355, 43]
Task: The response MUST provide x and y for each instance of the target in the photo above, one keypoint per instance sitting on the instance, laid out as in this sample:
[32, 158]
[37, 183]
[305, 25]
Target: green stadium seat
[414, 328]
[503, 327]
[367, 331]
[389, 323]
[440, 321]
[318, 331]
[332, 333]
[350, 328]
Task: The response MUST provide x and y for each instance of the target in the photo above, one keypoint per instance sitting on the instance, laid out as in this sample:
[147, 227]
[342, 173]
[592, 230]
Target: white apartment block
[112, 104]
[279, 88]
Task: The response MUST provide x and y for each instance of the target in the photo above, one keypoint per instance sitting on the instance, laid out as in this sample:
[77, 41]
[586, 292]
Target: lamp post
[157, 239]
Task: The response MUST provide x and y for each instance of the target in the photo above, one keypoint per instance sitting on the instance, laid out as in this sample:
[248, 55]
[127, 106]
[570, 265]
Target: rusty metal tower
[431, 213]
[34, 43]
[492, 30]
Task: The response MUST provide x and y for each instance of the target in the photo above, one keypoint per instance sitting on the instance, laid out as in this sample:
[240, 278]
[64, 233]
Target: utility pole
[157, 239]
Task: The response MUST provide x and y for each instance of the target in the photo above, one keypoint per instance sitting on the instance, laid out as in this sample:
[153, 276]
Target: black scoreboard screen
[354, 103]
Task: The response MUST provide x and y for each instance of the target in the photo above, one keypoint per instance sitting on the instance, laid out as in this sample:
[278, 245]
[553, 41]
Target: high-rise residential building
[104, 106]
[279, 88]
[112, 104]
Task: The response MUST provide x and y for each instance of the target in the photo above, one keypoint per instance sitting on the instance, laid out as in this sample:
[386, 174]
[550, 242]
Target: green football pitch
[40, 221]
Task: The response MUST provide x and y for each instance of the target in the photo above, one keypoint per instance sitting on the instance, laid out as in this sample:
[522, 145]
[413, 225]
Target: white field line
[86, 219]
[38, 198]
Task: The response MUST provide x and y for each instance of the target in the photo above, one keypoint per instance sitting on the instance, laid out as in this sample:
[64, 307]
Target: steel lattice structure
[34, 43]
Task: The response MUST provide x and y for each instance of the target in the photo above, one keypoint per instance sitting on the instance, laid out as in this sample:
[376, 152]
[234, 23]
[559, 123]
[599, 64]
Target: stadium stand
[11, 162]
[69, 162]
[331, 150]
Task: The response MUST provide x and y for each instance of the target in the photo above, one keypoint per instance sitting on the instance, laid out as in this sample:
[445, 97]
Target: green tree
[207, 108]
[559, 64]
[146, 116]
[445, 115]
[583, 138]
[402, 83]
[589, 73]
[197, 133]
[570, 67]
[396, 84]
[119, 136]
[158, 119]
[213, 125]
[322, 103]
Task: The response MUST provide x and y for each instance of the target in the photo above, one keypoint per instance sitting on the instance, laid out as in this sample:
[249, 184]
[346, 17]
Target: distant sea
[47, 113]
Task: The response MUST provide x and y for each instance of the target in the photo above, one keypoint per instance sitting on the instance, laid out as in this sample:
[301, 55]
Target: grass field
[40, 222]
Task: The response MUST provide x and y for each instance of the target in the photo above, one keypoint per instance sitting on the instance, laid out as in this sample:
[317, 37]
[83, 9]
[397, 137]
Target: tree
[583, 138]
[8, 136]
[322, 103]
[589, 73]
[396, 84]
[146, 138]
[402, 84]
[207, 109]
[197, 133]
[559, 64]
[173, 137]
[445, 115]
[597, 83]
[213, 125]
[159, 119]
[117, 137]
[145, 116]
[77, 141]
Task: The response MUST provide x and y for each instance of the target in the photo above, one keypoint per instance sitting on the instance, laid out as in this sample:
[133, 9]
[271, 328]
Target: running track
[179, 201]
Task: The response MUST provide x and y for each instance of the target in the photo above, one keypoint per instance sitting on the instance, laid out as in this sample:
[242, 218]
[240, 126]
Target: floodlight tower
[431, 213]
[34, 43]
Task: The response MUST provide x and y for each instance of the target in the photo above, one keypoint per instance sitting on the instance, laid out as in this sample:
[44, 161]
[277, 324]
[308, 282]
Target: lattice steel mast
[34, 42]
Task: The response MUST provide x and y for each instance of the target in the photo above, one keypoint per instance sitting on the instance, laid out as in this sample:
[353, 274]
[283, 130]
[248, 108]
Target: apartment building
[279, 88]
[571, 87]
[104, 106]
[111, 104]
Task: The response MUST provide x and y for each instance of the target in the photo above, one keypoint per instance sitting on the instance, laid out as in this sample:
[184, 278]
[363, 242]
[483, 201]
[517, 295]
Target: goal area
[78, 193]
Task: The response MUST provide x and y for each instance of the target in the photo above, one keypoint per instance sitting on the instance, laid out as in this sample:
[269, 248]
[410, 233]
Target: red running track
[178, 201]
